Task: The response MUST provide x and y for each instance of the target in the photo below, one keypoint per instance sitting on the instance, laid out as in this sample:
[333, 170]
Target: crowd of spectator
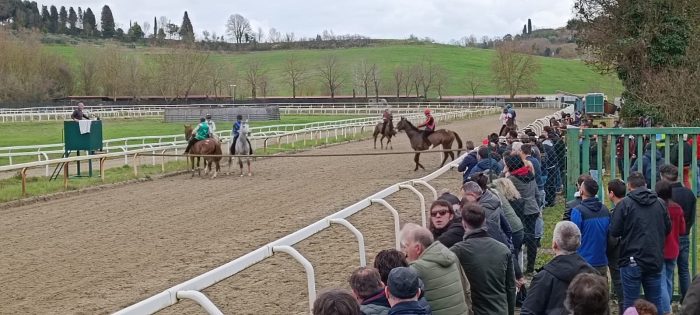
[478, 254]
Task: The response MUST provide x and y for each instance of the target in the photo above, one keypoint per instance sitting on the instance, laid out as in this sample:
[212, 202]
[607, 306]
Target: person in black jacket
[445, 226]
[548, 288]
[642, 223]
[686, 199]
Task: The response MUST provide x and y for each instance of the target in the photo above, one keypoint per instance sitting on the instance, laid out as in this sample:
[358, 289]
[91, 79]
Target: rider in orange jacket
[429, 123]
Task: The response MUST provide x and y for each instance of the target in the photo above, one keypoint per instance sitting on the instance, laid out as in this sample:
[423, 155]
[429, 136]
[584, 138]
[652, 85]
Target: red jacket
[671, 247]
[429, 123]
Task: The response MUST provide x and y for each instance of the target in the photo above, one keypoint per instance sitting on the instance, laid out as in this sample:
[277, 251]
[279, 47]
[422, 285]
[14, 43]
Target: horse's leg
[381, 142]
[388, 142]
[240, 164]
[375, 140]
[216, 169]
[444, 155]
[249, 172]
[192, 165]
[416, 159]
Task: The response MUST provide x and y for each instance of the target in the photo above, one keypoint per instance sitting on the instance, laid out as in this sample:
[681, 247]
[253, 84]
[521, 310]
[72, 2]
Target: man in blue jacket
[485, 162]
[593, 219]
[646, 165]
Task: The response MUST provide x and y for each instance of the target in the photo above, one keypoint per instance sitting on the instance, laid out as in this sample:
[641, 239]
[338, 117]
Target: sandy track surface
[102, 251]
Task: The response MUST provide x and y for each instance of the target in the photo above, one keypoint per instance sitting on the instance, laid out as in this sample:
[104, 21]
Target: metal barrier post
[201, 299]
[102, 168]
[136, 164]
[310, 275]
[424, 183]
[395, 214]
[422, 202]
[358, 235]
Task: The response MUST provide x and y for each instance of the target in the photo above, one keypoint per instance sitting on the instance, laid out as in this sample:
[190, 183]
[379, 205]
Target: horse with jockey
[236, 133]
[201, 132]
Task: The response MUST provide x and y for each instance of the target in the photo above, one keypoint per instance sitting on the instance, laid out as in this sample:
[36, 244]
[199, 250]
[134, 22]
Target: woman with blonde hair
[506, 191]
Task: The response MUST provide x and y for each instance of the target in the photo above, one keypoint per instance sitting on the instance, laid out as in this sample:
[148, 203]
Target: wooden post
[24, 181]
[136, 164]
[102, 168]
[65, 175]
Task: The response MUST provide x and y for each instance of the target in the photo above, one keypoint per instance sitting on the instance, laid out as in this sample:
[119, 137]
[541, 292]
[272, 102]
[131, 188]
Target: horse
[242, 147]
[442, 137]
[204, 147]
[388, 132]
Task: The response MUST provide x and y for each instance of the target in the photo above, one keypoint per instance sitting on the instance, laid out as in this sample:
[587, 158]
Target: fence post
[201, 299]
[421, 199]
[65, 175]
[310, 276]
[358, 235]
[102, 168]
[395, 214]
[24, 181]
[572, 161]
[136, 164]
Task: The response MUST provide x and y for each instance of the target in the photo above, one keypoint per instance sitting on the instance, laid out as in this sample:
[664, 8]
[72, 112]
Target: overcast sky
[439, 19]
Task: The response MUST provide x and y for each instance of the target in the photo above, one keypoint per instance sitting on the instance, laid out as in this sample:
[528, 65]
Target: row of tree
[26, 15]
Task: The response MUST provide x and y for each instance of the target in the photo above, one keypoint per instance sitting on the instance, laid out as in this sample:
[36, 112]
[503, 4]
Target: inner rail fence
[183, 290]
[260, 137]
[53, 113]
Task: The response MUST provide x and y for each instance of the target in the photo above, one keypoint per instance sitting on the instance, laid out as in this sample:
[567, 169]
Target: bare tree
[273, 36]
[417, 77]
[237, 27]
[514, 72]
[289, 37]
[134, 76]
[441, 80]
[473, 84]
[110, 76]
[362, 74]
[399, 78]
[260, 35]
[254, 75]
[87, 70]
[178, 71]
[295, 71]
[330, 74]
[375, 76]
[408, 80]
[428, 75]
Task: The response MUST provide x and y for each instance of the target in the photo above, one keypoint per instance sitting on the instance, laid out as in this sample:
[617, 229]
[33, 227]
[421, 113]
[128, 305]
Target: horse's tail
[459, 142]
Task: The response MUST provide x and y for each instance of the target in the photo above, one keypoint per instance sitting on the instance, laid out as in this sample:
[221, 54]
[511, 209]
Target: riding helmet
[202, 119]
[208, 116]
[426, 111]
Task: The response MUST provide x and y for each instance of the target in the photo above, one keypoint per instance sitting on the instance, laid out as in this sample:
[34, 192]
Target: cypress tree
[186, 31]
[45, 18]
[529, 26]
[80, 17]
[72, 20]
[33, 15]
[155, 27]
[53, 23]
[107, 22]
[89, 26]
[62, 20]
[524, 29]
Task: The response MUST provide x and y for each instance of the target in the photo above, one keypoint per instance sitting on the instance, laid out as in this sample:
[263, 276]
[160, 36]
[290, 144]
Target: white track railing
[538, 125]
[172, 295]
[260, 136]
[123, 111]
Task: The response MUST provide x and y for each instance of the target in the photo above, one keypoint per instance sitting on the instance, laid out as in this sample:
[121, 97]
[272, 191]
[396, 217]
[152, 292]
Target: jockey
[386, 117]
[199, 133]
[212, 127]
[429, 123]
[511, 111]
[235, 133]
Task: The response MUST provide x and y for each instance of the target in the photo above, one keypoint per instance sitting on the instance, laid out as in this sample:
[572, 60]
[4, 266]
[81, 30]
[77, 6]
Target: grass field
[556, 74]
[49, 132]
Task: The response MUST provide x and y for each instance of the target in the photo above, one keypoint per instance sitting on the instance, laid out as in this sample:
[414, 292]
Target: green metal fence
[580, 145]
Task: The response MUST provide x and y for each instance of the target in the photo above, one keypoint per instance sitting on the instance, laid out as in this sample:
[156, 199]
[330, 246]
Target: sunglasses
[439, 212]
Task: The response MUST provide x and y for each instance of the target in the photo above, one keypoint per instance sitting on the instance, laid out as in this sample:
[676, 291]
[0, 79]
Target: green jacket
[202, 131]
[513, 219]
[489, 268]
[440, 271]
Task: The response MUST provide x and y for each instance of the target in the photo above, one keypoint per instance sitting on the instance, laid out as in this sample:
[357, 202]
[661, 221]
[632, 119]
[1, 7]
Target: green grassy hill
[556, 74]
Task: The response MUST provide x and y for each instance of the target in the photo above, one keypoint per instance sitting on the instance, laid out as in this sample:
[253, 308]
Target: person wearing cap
[235, 133]
[429, 123]
[78, 113]
[444, 281]
[199, 133]
[402, 290]
[386, 118]
[488, 265]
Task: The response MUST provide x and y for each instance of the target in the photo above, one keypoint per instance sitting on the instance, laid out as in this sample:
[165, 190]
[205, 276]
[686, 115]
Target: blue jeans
[633, 279]
[669, 266]
[682, 262]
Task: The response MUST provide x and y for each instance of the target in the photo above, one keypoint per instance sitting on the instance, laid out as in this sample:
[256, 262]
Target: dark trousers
[233, 146]
[190, 143]
[517, 248]
[384, 127]
[529, 222]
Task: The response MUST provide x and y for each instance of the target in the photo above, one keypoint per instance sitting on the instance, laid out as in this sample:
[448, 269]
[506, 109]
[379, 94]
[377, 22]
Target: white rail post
[358, 235]
[310, 275]
[201, 299]
[422, 202]
[397, 226]
[424, 183]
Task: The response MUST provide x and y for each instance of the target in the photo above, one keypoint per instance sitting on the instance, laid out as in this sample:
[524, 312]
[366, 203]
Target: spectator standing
[507, 193]
[671, 246]
[368, 289]
[526, 206]
[691, 302]
[548, 288]
[616, 191]
[491, 276]
[402, 290]
[593, 220]
[485, 163]
[642, 223]
[439, 268]
[646, 164]
[444, 225]
[686, 199]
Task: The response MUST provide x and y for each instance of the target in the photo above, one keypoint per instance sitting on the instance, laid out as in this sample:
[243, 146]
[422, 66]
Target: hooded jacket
[377, 304]
[593, 219]
[444, 281]
[642, 223]
[451, 234]
[646, 166]
[686, 199]
[548, 288]
[491, 275]
[496, 222]
[467, 163]
[526, 185]
[484, 165]
[512, 218]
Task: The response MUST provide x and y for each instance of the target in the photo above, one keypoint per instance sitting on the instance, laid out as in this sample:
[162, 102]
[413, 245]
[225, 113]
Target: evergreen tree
[524, 29]
[529, 26]
[45, 18]
[72, 21]
[135, 32]
[33, 15]
[63, 20]
[107, 22]
[155, 27]
[89, 26]
[186, 31]
[161, 36]
[119, 34]
[80, 17]
[53, 24]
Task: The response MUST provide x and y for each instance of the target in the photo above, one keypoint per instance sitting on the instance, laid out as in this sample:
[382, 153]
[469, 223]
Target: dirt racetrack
[102, 251]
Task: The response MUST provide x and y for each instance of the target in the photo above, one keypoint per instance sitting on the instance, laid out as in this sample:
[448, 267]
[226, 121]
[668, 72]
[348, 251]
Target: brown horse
[419, 142]
[388, 132]
[209, 146]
